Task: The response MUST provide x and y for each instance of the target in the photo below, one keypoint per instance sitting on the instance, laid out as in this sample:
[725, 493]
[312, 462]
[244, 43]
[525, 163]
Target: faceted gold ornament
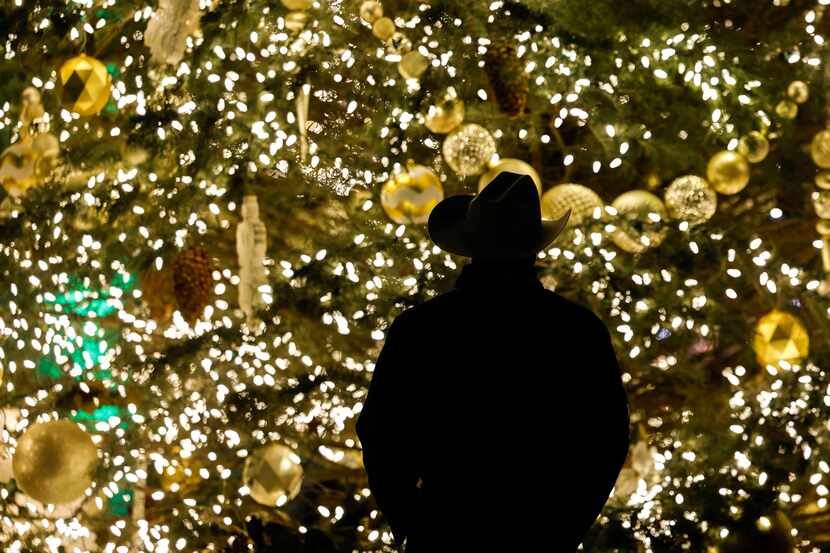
[786, 109]
[383, 28]
[413, 65]
[410, 196]
[513, 166]
[54, 462]
[690, 198]
[820, 149]
[780, 336]
[371, 11]
[581, 200]
[298, 4]
[468, 149]
[754, 146]
[273, 474]
[85, 85]
[798, 91]
[728, 172]
[640, 223]
[445, 113]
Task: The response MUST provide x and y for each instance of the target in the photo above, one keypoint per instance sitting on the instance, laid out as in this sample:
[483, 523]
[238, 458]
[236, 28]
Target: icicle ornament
[251, 244]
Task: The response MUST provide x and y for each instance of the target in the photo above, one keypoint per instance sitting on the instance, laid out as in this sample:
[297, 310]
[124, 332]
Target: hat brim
[447, 228]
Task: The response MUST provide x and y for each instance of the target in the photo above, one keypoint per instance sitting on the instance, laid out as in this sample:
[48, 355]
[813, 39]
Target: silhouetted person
[496, 419]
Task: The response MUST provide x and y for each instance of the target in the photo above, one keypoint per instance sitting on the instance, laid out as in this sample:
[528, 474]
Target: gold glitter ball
[640, 221]
[445, 112]
[408, 198]
[371, 11]
[581, 200]
[728, 172]
[413, 65]
[274, 475]
[468, 149]
[690, 198]
[513, 166]
[54, 462]
[383, 28]
[85, 85]
[822, 180]
[780, 336]
[754, 146]
[820, 149]
[798, 91]
[786, 109]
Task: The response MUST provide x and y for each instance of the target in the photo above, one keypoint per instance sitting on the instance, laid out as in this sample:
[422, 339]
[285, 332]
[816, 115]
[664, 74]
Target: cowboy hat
[503, 221]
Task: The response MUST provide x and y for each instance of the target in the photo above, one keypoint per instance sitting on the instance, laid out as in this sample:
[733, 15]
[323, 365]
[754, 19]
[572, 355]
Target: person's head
[503, 222]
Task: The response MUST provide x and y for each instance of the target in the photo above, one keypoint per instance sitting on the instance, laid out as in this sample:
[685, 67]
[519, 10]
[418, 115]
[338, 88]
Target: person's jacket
[496, 419]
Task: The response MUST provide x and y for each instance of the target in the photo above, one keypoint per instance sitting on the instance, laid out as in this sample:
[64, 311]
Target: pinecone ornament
[508, 78]
[192, 282]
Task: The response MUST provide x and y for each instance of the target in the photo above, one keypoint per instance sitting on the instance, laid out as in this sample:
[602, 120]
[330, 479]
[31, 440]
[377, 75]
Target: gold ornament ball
[468, 149]
[513, 166]
[786, 109]
[383, 28]
[728, 172]
[820, 149]
[754, 146]
[294, 5]
[25, 163]
[821, 203]
[398, 44]
[798, 91]
[85, 85]
[410, 196]
[822, 180]
[445, 113]
[295, 21]
[780, 336]
[273, 474]
[181, 476]
[690, 198]
[54, 462]
[371, 11]
[640, 221]
[581, 200]
[413, 65]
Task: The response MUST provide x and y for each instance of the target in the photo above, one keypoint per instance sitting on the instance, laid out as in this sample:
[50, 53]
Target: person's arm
[385, 429]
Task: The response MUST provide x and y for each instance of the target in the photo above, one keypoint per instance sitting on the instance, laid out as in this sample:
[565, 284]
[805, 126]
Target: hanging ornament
[690, 198]
[413, 65]
[295, 21]
[181, 475]
[821, 203]
[786, 109]
[507, 76]
[54, 462]
[798, 91]
[640, 221]
[410, 196]
[192, 282]
[468, 149]
[85, 85]
[822, 180]
[820, 149]
[780, 336]
[398, 44]
[302, 103]
[371, 11]
[273, 474]
[445, 112]
[728, 172]
[157, 292]
[168, 29]
[754, 146]
[251, 245]
[9, 419]
[581, 200]
[513, 166]
[383, 28]
[298, 4]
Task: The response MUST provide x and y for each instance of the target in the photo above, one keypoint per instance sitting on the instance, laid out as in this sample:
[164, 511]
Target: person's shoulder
[578, 313]
[431, 308]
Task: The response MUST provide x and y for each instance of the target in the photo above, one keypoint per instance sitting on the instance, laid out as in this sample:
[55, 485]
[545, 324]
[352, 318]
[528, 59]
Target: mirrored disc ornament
[445, 112]
[54, 462]
[690, 198]
[754, 146]
[85, 85]
[581, 200]
[410, 196]
[786, 109]
[728, 172]
[273, 474]
[780, 336]
[513, 166]
[640, 221]
[820, 149]
[798, 91]
[468, 149]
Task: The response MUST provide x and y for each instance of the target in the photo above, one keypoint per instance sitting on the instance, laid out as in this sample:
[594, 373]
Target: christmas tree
[213, 209]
